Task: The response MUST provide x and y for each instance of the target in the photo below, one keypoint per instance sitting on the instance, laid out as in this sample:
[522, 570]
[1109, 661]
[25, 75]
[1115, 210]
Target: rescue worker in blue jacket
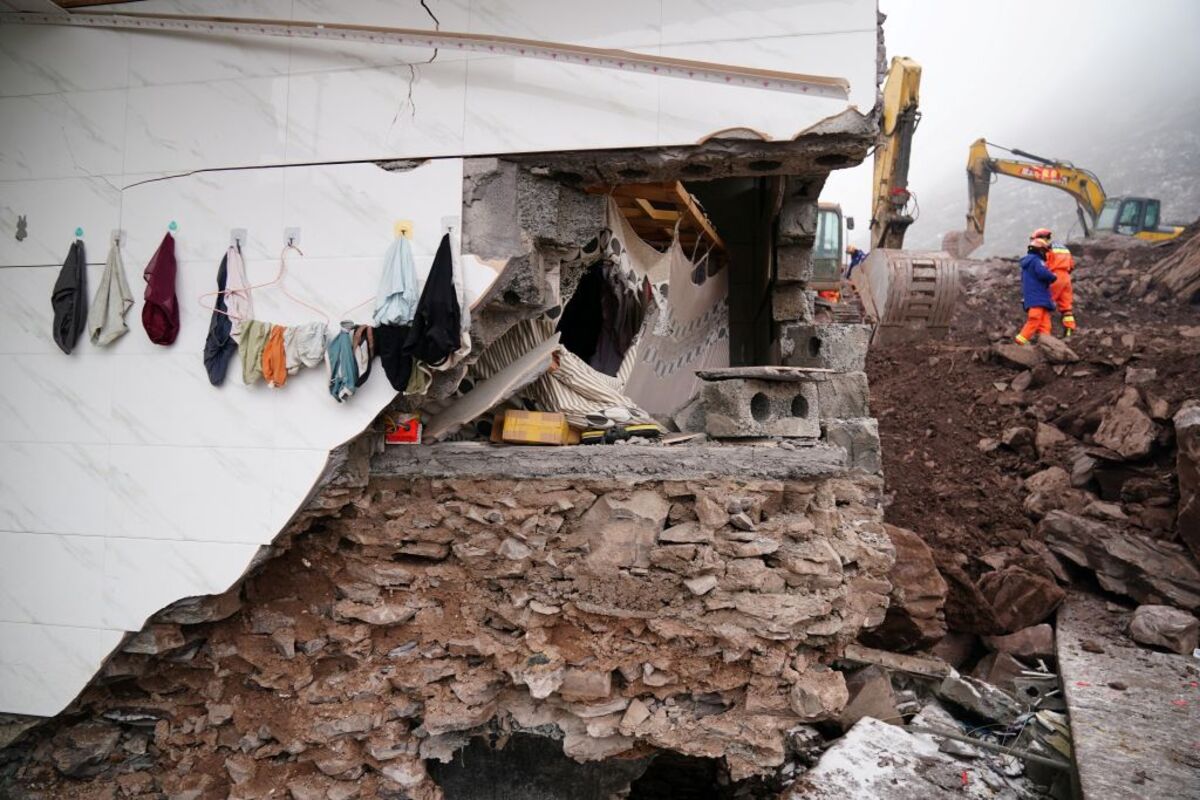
[1036, 278]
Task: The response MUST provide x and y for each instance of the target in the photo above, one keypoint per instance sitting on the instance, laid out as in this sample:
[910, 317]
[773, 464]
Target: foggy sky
[1047, 76]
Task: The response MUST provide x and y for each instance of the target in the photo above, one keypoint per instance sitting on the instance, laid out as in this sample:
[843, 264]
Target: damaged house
[641, 516]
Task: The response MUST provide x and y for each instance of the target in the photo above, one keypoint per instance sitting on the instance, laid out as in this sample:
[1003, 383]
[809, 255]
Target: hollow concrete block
[740, 408]
[836, 346]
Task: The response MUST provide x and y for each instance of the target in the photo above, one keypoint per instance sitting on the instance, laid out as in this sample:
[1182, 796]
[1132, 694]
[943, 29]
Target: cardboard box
[536, 427]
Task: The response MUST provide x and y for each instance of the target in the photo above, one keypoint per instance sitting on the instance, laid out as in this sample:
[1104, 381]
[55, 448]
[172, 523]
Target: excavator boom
[891, 212]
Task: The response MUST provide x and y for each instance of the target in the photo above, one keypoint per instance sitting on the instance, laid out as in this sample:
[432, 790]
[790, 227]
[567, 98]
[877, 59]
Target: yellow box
[536, 427]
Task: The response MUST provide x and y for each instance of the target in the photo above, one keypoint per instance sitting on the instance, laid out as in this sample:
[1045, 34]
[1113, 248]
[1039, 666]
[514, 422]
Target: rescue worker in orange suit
[1036, 280]
[1061, 263]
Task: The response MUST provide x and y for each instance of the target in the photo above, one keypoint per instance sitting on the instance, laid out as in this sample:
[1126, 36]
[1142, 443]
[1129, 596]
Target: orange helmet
[1039, 243]
[1042, 233]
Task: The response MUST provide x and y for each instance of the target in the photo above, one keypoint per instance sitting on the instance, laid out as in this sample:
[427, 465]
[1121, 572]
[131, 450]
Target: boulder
[1055, 350]
[999, 670]
[1126, 430]
[1020, 598]
[914, 616]
[966, 609]
[1187, 459]
[871, 695]
[1148, 570]
[1034, 642]
[818, 694]
[1018, 438]
[1166, 627]
[82, 750]
[1018, 356]
[621, 529]
[1047, 437]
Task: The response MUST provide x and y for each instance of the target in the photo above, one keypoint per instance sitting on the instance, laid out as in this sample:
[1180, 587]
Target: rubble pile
[1034, 465]
[622, 618]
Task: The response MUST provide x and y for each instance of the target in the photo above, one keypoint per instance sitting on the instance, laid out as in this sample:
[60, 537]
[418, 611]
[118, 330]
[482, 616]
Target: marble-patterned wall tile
[846, 54]
[166, 399]
[348, 210]
[206, 207]
[521, 105]
[51, 397]
[216, 494]
[53, 209]
[692, 21]
[157, 57]
[62, 135]
[54, 488]
[190, 126]
[43, 667]
[141, 576]
[385, 112]
[84, 60]
[310, 55]
[63, 589]
[624, 24]
[25, 313]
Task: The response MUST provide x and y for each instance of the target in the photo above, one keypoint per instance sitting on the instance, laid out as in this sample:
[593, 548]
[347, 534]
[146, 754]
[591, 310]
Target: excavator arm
[890, 210]
[1081, 184]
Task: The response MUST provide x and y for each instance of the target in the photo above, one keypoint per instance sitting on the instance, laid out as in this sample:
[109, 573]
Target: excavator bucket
[908, 295]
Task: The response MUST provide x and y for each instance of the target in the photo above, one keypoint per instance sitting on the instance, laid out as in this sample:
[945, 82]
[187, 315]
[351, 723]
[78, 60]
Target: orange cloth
[832, 295]
[1038, 322]
[274, 360]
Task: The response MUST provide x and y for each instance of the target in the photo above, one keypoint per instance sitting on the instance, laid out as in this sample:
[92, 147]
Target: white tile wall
[126, 480]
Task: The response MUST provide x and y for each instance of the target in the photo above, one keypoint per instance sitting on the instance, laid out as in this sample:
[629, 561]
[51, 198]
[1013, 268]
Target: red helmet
[1042, 233]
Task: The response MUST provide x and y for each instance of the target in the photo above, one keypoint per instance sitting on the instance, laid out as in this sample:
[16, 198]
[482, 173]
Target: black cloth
[219, 347]
[397, 365]
[435, 333]
[69, 299]
[363, 333]
[601, 319]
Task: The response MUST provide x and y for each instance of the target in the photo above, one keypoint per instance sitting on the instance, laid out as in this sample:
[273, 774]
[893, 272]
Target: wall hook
[173, 226]
[291, 236]
[79, 233]
[237, 237]
[117, 236]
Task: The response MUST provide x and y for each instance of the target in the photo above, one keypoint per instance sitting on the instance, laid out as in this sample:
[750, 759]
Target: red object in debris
[964, 777]
[1180, 703]
[1082, 683]
[403, 431]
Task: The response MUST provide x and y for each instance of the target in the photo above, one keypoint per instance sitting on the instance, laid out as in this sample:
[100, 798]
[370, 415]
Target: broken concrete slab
[1129, 707]
[979, 698]
[858, 438]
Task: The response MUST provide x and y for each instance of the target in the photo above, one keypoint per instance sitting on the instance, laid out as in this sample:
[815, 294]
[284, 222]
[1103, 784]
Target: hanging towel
[274, 362]
[396, 299]
[363, 343]
[254, 339]
[304, 345]
[237, 299]
[69, 299]
[219, 346]
[389, 341]
[419, 380]
[106, 318]
[435, 332]
[160, 313]
[343, 372]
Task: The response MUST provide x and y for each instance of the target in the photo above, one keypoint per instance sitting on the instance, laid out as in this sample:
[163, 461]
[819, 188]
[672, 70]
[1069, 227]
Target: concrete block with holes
[836, 346]
[743, 408]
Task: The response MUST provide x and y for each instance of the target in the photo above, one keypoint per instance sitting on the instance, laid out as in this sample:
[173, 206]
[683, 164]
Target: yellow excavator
[906, 294]
[1140, 217]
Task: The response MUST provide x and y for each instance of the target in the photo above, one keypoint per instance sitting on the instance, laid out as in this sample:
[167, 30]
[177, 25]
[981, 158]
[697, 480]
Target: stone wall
[402, 617]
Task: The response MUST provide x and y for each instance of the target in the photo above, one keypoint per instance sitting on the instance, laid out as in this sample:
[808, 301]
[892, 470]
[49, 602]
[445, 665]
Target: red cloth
[160, 313]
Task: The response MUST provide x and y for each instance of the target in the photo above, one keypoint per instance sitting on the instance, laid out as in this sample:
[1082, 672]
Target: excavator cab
[828, 248]
[1132, 216]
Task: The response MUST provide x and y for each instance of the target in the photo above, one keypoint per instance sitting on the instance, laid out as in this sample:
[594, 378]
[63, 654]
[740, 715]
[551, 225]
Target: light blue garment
[396, 300]
[343, 371]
